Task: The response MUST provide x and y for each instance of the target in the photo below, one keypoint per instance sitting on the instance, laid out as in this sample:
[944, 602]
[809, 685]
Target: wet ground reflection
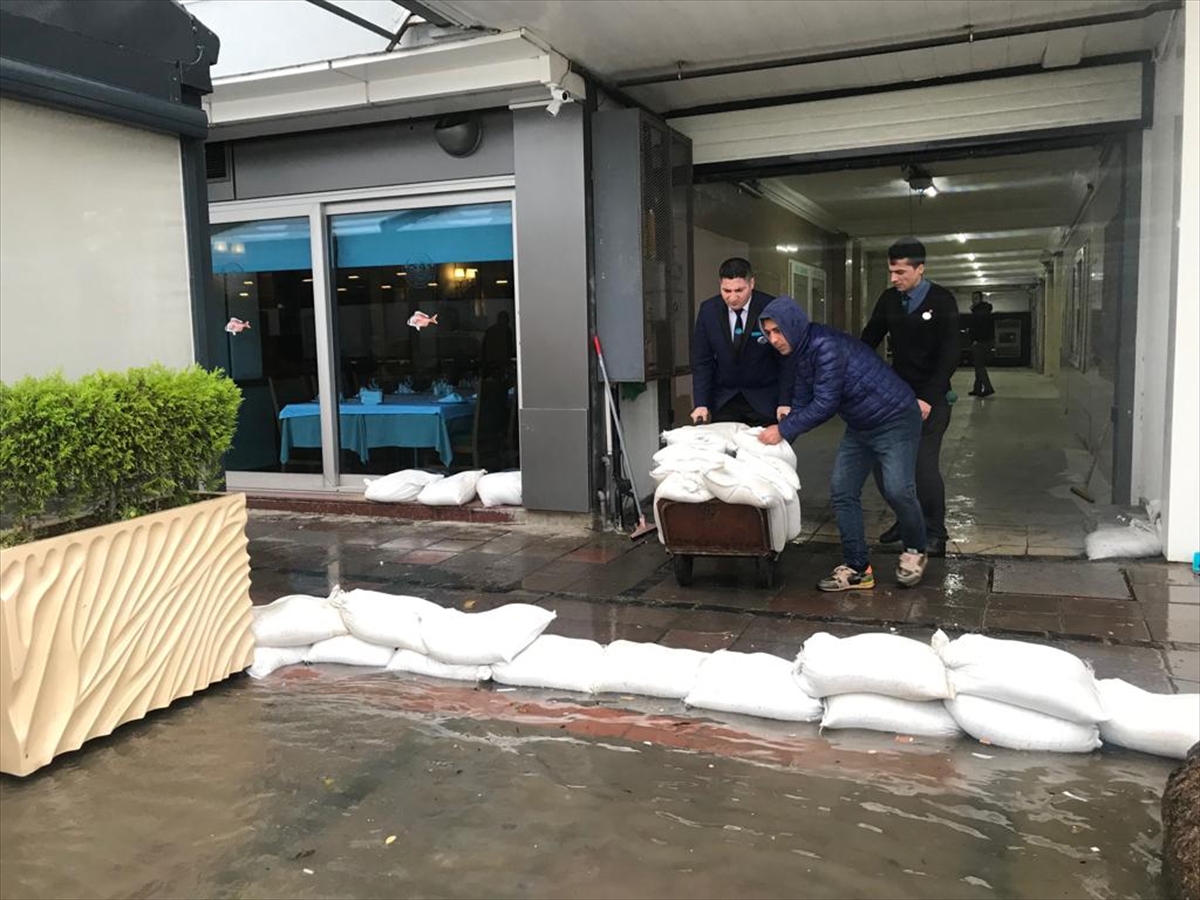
[293, 786]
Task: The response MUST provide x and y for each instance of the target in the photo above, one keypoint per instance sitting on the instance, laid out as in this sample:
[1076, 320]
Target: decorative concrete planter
[100, 626]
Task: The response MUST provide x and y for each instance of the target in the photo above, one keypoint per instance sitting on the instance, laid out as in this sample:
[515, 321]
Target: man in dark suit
[735, 373]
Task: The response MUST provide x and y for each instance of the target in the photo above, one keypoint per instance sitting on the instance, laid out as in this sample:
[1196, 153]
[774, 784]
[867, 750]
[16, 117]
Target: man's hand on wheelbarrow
[770, 435]
[700, 415]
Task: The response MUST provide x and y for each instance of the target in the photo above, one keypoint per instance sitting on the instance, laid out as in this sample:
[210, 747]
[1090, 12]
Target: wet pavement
[292, 786]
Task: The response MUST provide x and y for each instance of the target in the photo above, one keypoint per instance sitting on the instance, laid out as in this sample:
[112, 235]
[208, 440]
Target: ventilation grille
[216, 161]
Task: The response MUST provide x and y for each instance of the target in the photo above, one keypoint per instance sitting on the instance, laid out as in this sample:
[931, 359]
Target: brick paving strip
[1144, 626]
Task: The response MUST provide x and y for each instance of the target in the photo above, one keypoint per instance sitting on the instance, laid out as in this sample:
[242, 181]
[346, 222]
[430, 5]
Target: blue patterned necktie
[737, 329]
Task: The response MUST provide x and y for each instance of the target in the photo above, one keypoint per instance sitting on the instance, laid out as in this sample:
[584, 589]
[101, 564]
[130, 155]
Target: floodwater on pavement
[333, 782]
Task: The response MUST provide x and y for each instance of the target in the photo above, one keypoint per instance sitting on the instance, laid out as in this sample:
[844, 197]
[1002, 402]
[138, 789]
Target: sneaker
[844, 578]
[911, 568]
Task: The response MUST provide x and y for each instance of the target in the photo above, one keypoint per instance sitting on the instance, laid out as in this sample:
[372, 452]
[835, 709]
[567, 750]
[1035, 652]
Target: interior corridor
[1009, 462]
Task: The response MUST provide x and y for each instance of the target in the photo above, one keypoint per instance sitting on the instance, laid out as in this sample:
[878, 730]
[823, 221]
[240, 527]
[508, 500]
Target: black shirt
[924, 341]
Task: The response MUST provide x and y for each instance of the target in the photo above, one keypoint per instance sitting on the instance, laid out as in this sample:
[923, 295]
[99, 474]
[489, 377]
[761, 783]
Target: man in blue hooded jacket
[837, 374]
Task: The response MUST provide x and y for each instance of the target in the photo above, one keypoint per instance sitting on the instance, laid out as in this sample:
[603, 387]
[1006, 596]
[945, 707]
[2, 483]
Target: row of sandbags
[432, 489]
[727, 462]
[1006, 693]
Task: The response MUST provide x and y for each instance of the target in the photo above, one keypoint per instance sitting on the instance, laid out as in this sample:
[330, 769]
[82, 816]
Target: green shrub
[111, 445]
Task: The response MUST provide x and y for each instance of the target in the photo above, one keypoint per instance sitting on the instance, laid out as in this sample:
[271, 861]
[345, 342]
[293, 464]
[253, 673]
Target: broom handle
[617, 422]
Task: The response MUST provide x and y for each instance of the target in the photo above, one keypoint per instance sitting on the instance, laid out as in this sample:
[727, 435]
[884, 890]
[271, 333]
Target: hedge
[111, 445]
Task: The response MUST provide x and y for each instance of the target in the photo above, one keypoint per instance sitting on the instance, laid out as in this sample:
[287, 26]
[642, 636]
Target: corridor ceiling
[684, 55]
[1011, 210]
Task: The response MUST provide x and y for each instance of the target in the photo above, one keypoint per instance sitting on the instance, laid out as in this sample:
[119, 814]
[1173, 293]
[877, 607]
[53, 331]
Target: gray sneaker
[911, 568]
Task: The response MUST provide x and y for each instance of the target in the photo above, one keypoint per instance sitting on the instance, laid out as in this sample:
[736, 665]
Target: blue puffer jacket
[836, 374]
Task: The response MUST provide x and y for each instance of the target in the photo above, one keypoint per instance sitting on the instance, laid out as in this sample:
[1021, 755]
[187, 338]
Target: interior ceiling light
[920, 181]
[961, 238]
[971, 257]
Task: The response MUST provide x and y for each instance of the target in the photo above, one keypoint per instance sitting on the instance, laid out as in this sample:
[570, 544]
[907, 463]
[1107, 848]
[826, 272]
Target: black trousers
[980, 351]
[931, 489]
[739, 410]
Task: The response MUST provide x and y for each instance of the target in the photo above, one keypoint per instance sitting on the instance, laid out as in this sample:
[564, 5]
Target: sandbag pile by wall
[879, 682]
[1020, 695]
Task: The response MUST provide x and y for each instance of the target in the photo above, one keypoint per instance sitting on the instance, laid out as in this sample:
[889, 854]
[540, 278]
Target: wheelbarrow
[716, 528]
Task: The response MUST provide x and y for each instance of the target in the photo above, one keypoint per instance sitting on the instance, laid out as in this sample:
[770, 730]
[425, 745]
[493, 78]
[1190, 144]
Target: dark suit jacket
[720, 371]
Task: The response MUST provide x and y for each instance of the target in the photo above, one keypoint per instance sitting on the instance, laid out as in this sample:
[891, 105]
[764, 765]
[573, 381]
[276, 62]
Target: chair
[486, 441]
[287, 389]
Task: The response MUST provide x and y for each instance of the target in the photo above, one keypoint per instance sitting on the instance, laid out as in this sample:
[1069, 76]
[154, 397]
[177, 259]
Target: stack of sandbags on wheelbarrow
[726, 461]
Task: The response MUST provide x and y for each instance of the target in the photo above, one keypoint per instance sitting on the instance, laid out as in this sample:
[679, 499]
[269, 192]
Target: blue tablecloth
[405, 420]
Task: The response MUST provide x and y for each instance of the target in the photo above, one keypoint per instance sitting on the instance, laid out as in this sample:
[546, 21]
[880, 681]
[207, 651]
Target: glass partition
[262, 272]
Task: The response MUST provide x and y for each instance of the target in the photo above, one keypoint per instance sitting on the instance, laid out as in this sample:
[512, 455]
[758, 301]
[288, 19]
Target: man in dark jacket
[735, 374]
[836, 374]
[922, 319]
[983, 338]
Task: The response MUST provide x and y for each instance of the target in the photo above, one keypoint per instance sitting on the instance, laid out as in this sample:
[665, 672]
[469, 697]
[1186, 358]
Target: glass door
[425, 350]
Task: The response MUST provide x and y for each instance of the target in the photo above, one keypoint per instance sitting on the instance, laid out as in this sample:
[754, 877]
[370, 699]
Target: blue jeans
[893, 446]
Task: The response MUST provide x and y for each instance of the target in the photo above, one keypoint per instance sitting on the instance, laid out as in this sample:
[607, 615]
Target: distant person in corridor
[922, 319]
[983, 339]
[835, 374]
[735, 373]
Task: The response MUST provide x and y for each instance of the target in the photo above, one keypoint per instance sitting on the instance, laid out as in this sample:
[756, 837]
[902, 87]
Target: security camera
[558, 96]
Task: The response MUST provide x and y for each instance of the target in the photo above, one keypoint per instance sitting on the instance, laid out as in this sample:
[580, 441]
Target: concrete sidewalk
[1135, 620]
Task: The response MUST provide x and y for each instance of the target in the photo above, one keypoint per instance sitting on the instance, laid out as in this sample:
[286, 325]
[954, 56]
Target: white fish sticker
[419, 320]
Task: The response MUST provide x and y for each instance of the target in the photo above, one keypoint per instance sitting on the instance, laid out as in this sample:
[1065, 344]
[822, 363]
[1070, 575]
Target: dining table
[399, 420]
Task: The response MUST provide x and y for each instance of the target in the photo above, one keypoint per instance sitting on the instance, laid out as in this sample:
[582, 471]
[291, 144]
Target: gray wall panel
[550, 159]
[554, 460]
[402, 152]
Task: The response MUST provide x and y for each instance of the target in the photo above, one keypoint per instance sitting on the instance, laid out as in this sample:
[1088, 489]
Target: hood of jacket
[791, 319]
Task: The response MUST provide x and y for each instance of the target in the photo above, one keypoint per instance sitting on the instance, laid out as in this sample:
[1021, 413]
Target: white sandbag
[296, 620]
[732, 485]
[716, 434]
[268, 659]
[1163, 724]
[391, 620]
[748, 440]
[420, 664]
[500, 489]
[689, 458]
[399, 487]
[1032, 676]
[1003, 725]
[756, 684]
[778, 526]
[887, 664]
[629, 667]
[567, 664]
[483, 638]
[455, 490]
[684, 487]
[875, 712]
[770, 467]
[349, 651]
[1133, 541]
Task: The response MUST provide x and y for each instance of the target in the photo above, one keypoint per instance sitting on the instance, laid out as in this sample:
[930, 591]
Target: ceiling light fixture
[920, 181]
[961, 238]
[971, 257]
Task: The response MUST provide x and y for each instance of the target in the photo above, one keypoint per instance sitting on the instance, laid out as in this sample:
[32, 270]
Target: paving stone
[1184, 663]
[1060, 579]
[1034, 623]
[708, 642]
[1129, 629]
[1168, 593]
[1177, 623]
[1162, 573]
[1141, 666]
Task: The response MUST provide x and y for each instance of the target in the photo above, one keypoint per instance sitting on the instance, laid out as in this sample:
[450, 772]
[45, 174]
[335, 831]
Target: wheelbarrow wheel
[683, 569]
[764, 572]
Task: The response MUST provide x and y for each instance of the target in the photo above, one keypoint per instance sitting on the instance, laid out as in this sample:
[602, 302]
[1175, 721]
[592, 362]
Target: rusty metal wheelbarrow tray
[715, 528]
